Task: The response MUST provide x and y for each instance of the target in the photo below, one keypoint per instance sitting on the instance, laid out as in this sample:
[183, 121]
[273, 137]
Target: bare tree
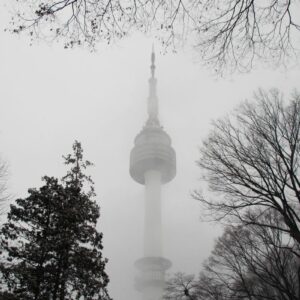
[229, 34]
[181, 287]
[185, 287]
[252, 159]
[248, 262]
[255, 263]
[251, 162]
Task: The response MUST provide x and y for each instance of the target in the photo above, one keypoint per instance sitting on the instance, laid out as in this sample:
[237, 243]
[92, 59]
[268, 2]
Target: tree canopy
[248, 262]
[251, 162]
[50, 246]
[252, 159]
[228, 34]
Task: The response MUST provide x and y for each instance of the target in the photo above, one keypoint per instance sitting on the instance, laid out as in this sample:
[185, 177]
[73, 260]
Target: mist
[50, 96]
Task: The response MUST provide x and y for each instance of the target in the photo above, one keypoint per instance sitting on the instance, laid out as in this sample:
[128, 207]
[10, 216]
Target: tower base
[151, 279]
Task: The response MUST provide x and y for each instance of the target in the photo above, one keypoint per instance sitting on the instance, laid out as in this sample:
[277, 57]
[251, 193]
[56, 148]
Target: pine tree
[50, 246]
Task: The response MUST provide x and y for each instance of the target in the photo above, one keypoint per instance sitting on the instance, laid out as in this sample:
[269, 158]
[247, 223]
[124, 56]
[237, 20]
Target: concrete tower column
[152, 224]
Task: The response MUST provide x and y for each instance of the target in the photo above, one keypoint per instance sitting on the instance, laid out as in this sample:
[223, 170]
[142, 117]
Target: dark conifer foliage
[51, 248]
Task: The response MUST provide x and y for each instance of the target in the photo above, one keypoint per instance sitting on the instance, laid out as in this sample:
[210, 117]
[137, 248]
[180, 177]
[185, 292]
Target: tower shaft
[152, 225]
[153, 231]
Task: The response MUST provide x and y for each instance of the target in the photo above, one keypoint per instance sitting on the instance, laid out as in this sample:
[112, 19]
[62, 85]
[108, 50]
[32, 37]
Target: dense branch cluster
[3, 179]
[229, 34]
[253, 160]
[255, 262]
[87, 22]
[232, 34]
[248, 262]
[179, 286]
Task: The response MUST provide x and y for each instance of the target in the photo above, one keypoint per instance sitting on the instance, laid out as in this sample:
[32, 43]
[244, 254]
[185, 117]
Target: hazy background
[50, 96]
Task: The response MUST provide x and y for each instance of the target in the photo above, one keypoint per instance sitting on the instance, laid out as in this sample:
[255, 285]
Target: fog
[50, 96]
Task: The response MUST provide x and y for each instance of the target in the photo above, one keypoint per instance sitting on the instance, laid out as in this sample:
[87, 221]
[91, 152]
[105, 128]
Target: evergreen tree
[50, 246]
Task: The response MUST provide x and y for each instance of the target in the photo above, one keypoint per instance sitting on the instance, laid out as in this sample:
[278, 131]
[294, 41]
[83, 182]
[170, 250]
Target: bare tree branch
[252, 159]
[249, 262]
[229, 35]
[254, 262]
[3, 186]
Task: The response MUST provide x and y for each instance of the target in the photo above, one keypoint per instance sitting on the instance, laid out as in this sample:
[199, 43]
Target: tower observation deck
[152, 163]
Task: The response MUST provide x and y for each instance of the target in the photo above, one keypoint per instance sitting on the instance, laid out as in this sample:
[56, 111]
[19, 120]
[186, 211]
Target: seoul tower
[152, 163]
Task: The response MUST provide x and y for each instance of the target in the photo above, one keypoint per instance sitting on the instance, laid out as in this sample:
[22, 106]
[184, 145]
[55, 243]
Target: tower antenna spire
[153, 62]
[152, 99]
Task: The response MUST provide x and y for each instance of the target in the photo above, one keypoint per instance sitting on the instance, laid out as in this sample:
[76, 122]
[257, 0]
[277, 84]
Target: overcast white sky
[50, 96]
